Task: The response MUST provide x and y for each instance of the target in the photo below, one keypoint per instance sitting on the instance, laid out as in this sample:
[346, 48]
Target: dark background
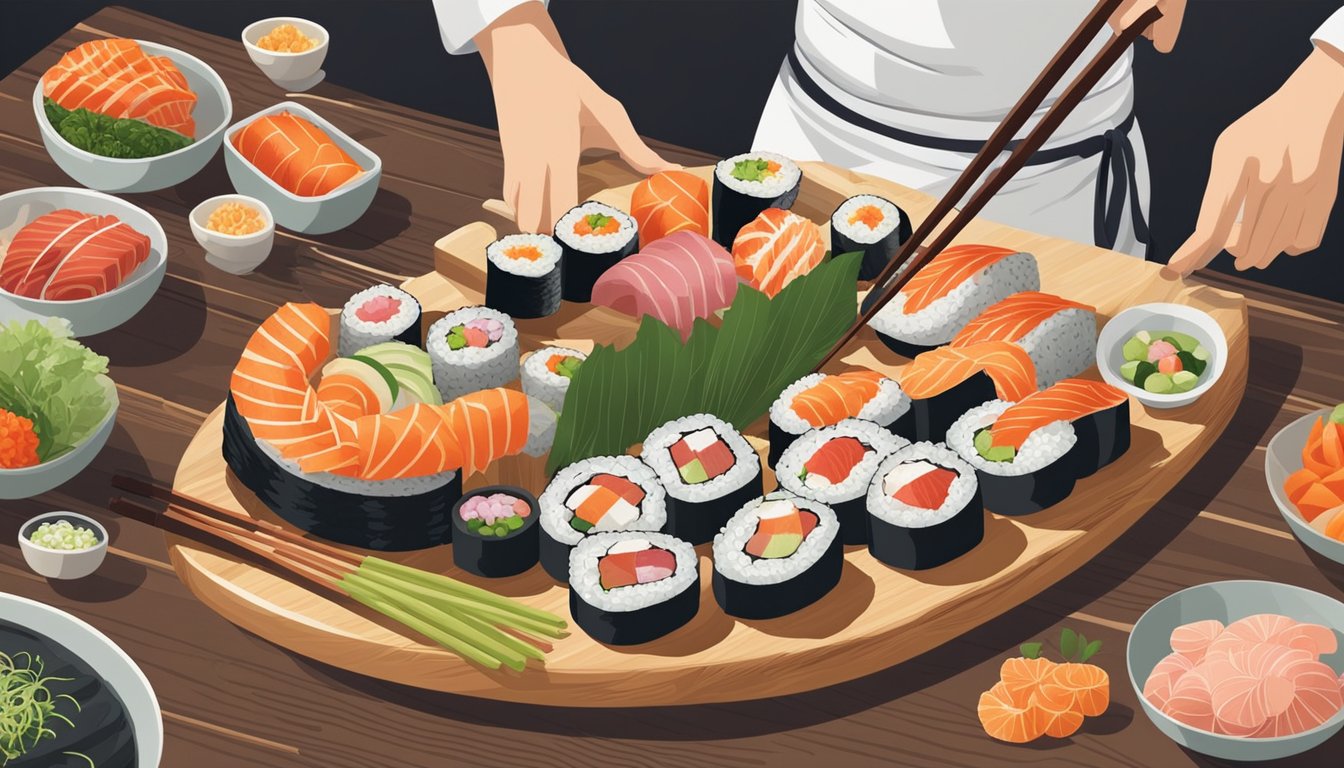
[697, 72]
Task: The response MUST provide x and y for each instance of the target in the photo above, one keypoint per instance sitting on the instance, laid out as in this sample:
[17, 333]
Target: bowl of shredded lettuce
[125, 155]
[57, 406]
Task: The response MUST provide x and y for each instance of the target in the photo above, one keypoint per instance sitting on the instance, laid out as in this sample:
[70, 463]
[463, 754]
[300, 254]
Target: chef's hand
[1164, 31]
[549, 112]
[1278, 166]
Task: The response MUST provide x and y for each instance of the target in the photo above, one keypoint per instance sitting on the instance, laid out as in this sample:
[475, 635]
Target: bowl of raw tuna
[91, 258]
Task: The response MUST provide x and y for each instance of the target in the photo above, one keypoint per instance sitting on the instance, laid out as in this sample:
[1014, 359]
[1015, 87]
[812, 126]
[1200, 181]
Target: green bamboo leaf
[1068, 644]
[1091, 650]
[1031, 650]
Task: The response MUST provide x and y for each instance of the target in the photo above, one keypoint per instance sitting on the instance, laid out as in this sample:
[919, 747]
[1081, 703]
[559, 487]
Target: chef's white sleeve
[1331, 33]
[461, 20]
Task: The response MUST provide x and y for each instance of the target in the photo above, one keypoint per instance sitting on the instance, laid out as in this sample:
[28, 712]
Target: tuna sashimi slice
[677, 279]
[1191, 700]
[1193, 640]
[1157, 688]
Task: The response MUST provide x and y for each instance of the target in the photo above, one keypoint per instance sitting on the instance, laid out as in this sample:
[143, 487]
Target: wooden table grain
[232, 699]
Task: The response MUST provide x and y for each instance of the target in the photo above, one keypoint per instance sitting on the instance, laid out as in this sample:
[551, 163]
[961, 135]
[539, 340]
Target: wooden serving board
[875, 618]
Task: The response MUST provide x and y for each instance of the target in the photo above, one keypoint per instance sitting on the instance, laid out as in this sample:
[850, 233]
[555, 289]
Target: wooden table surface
[231, 699]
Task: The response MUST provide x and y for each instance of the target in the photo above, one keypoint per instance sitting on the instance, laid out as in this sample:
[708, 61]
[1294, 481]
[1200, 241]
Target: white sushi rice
[884, 506]
[564, 229]
[459, 372]
[550, 254]
[539, 382]
[860, 232]
[555, 515]
[732, 560]
[1042, 448]
[888, 405]
[790, 464]
[746, 462]
[356, 334]
[944, 317]
[541, 423]
[1063, 345]
[586, 580]
[405, 486]
[785, 179]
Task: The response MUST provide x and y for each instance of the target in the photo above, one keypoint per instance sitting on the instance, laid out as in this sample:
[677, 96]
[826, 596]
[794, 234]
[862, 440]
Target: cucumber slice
[1144, 336]
[382, 371]
[1135, 349]
[1129, 369]
[1337, 415]
[1183, 341]
[1158, 384]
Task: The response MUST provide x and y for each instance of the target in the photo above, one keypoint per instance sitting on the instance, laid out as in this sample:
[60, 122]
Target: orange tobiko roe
[18, 441]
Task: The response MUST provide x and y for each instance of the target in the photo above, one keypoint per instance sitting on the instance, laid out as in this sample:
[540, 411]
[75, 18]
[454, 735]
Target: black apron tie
[1118, 161]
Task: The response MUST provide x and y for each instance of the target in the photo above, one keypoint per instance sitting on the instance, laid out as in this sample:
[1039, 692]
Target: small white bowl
[1161, 317]
[1283, 457]
[27, 482]
[235, 254]
[291, 71]
[61, 563]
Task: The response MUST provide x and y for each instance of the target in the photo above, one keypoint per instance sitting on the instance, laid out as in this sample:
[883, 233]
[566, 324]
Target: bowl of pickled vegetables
[1165, 355]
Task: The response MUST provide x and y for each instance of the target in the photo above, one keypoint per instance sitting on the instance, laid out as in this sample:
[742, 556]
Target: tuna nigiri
[776, 248]
[669, 202]
[296, 154]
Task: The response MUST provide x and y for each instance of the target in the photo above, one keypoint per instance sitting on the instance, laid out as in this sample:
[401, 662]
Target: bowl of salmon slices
[121, 115]
[1242, 670]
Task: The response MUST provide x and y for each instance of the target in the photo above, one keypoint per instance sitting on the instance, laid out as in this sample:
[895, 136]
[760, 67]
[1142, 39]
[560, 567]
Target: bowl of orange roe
[236, 231]
[288, 50]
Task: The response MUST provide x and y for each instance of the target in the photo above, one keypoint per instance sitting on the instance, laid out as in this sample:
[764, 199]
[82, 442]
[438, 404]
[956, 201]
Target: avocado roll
[593, 237]
[872, 225]
[747, 184]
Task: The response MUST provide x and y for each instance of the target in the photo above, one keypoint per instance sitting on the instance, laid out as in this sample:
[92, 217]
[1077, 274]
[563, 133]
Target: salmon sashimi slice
[775, 248]
[1021, 675]
[1067, 400]
[1193, 640]
[1015, 317]
[410, 442]
[668, 202]
[837, 397]
[946, 271]
[1010, 719]
[348, 396]
[296, 154]
[1191, 700]
[1249, 686]
[116, 78]
[1157, 688]
[487, 425]
[934, 372]
[1316, 698]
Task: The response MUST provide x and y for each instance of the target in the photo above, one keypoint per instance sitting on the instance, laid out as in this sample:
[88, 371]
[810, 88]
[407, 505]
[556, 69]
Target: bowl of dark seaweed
[72, 697]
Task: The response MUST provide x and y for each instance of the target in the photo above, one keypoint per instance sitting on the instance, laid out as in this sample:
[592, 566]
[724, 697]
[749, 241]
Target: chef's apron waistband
[1113, 145]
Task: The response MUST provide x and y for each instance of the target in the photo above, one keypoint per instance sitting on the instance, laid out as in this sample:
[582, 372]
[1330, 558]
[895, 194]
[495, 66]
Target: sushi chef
[909, 91]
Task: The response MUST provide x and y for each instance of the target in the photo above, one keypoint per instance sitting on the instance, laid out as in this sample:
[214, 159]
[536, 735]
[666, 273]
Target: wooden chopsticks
[893, 277]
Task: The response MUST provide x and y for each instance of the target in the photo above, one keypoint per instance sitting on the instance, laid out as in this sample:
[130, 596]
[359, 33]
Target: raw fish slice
[1315, 499]
[39, 245]
[1316, 698]
[948, 270]
[487, 426]
[98, 263]
[1312, 638]
[1191, 700]
[835, 459]
[837, 397]
[1193, 640]
[677, 279]
[114, 77]
[1090, 684]
[1067, 400]
[295, 154]
[1009, 719]
[939, 370]
[1251, 685]
[1015, 317]
[1021, 676]
[1260, 628]
[348, 396]
[406, 443]
[1058, 706]
[1157, 688]
[670, 202]
[775, 248]
[929, 490]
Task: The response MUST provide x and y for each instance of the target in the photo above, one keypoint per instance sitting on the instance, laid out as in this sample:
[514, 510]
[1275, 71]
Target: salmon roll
[378, 314]
[747, 184]
[873, 226]
[777, 555]
[834, 465]
[1038, 474]
[495, 531]
[523, 275]
[820, 400]
[593, 238]
[547, 373]
[709, 470]
[473, 348]
[924, 508]
[631, 587]
[597, 495]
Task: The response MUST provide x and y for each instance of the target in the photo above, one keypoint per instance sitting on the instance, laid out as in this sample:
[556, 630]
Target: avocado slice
[1158, 384]
[1184, 381]
[984, 445]
[1135, 350]
[1129, 369]
[411, 367]
[375, 376]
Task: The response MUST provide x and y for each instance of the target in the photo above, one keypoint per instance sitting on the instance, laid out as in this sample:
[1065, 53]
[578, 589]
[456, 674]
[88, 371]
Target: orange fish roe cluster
[236, 219]
[286, 38]
[18, 441]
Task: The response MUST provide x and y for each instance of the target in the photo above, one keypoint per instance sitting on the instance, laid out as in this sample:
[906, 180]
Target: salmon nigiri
[836, 397]
[1069, 400]
[776, 248]
[939, 370]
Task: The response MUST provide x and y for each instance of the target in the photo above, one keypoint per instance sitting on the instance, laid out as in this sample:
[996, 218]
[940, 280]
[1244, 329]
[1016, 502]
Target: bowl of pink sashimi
[91, 258]
[1241, 670]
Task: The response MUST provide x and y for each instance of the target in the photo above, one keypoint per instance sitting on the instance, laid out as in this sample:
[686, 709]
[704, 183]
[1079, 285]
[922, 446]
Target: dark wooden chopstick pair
[894, 277]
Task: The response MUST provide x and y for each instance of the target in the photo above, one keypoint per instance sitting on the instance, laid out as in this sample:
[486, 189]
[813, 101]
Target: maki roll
[777, 555]
[821, 400]
[1098, 411]
[547, 373]
[709, 470]
[834, 466]
[924, 508]
[522, 275]
[747, 184]
[631, 587]
[873, 226]
[495, 531]
[949, 292]
[473, 348]
[1037, 474]
[378, 314]
[593, 237]
[945, 383]
[1060, 336]
[597, 495]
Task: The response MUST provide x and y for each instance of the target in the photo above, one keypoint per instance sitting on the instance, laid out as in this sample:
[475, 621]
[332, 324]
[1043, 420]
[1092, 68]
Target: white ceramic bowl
[213, 111]
[111, 663]
[291, 71]
[1227, 601]
[235, 254]
[97, 313]
[1161, 317]
[1283, 458]
[60, 563]
[311, 215]
[33, 481]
